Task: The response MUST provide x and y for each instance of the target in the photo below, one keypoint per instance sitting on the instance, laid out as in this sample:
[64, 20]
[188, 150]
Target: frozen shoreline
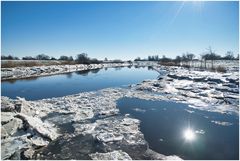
[200, 89]
[37, 71]
[28, 72]
[35, 126]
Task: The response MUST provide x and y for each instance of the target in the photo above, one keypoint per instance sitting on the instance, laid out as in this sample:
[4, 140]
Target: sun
[195, 5]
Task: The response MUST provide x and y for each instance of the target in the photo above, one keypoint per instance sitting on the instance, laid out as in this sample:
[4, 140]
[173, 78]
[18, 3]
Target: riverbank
[52, 128]
[37, 71]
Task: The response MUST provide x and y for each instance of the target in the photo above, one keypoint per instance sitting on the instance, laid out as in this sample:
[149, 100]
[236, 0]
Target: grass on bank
[31, 63]
[219, 68]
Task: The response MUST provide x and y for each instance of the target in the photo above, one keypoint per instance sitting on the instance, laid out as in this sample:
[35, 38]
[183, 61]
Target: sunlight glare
[189, 134]
[198, 5]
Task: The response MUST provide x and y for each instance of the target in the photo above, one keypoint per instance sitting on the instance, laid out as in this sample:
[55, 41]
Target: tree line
[187, 58]
[38, 57]
[80, 58]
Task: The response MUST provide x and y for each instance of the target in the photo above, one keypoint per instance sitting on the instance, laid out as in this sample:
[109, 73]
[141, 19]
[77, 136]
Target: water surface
[72, 83]
[165, 126]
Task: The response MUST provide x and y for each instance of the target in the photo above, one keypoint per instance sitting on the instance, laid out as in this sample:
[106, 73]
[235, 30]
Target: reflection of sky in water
[171, 129]
[72, 83]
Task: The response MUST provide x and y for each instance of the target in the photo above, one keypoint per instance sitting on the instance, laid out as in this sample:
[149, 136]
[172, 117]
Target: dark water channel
[174, 128]
[72, 83]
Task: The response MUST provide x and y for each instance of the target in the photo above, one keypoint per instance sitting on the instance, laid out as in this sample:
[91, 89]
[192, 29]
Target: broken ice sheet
[139, 110]
[200, 131]
[222, 123]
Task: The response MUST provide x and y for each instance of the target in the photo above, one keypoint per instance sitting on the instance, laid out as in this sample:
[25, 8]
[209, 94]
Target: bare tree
[229, 55]
[66, 58]
[184, 58]
[42, 57]
[9, 57]
[137, 59]
[63, 57]
[70, 58]
[83, 58]
[28, 58]
[203, 59]
[178, 60]
[190, 57]
[210, 55]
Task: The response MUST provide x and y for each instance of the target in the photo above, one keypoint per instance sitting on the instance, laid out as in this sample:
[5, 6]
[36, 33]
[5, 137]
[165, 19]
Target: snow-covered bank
[27, 72]
[37, 71]
[229, 65]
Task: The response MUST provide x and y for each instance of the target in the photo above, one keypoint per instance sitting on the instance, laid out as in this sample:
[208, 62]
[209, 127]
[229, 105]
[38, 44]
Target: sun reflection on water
[189, 135]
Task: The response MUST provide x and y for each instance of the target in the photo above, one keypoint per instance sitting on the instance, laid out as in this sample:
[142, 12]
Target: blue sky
[122, 30]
